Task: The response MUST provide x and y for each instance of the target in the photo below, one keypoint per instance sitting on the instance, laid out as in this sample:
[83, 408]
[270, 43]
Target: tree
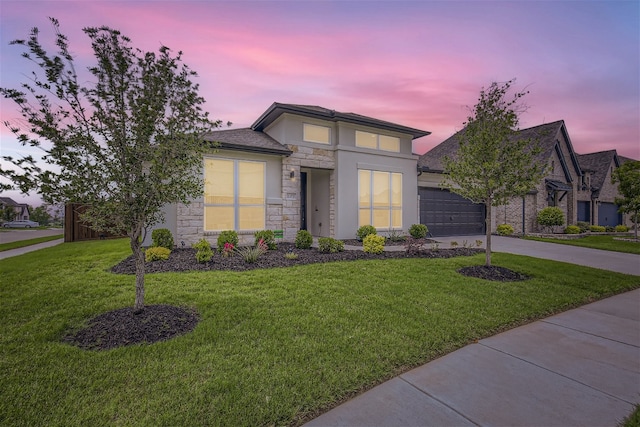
[40, 215]
[125, 140]
[7, 213]
[628, 178]
[494, 164]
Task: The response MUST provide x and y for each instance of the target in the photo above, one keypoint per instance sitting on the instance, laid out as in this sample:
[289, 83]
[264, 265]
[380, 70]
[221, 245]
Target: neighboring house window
[377, 142]
[315, 133]
[380, 199]
[234, 195]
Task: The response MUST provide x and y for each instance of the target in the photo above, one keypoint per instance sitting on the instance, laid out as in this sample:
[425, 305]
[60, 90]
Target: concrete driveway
[26, 234]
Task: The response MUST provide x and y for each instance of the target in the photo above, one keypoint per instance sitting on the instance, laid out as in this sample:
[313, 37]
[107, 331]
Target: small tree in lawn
[492, 164]
[40, 215]
[628, 178]
[124, 140]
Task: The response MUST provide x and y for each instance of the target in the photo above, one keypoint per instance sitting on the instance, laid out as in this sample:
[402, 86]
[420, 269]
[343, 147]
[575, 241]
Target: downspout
[523, 215]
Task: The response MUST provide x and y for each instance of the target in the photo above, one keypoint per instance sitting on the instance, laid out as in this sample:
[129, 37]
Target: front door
[303, 200]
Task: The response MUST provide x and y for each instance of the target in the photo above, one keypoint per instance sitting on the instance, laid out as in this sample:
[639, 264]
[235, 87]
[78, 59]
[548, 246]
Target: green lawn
[272, 347]
[29, 242]
[606, 243]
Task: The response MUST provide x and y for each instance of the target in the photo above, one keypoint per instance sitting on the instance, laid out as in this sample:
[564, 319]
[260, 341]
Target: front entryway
[315, 201]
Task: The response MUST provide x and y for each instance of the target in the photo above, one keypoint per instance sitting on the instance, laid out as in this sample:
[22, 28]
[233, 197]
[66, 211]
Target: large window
[234, 195]
[314, 133]
[380, 199]
[377, 142]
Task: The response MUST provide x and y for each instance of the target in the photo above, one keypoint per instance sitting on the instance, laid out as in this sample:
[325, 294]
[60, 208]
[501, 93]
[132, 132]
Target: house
[446, 213]
[303, 167]
[21, 209]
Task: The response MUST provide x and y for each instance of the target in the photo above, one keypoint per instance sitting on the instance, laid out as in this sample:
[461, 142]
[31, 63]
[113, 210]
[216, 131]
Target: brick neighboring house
[21, 209]
[446, 213]
[303, 167]
[597, 194]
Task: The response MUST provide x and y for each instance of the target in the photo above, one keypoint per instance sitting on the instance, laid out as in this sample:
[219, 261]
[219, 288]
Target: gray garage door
[448, 214]
[608, 215]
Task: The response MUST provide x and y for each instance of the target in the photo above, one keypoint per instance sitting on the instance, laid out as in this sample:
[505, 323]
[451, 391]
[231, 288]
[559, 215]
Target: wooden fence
[75, 230]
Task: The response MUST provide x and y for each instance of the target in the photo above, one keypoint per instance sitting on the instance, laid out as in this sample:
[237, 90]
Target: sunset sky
[418, 63]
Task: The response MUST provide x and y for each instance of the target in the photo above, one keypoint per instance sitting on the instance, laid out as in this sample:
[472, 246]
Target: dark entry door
[584, 210]
[449, 214]
[303, 200]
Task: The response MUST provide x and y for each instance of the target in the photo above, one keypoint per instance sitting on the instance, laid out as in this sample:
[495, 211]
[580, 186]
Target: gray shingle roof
[314, 111]
[246, 139]
[598, 164]
[432, 160]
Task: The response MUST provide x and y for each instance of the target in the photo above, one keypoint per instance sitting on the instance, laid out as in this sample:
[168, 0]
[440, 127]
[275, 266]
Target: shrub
[304, 239]
[330, 245]
[583, 225]
[395, 236]
[412, 245]
[228, 250]
[373, 244]
[454, 244]
[610, 229]
[162, 238]
[252, 253]
[228, 236]
[572, 229]
[418, 231]
[291, 255]
[157, 253]
[364, 231]
[204, 252]
[621, 228]
[505, 229]
[268, 237]
[597, 229]
[550, 217]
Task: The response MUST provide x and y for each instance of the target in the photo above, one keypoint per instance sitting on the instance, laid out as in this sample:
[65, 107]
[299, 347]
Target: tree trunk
[138, 253]
[487, 222]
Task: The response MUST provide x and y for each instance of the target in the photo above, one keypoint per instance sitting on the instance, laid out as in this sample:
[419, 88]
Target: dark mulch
[185, 259]
[492, 272]
[123, 327]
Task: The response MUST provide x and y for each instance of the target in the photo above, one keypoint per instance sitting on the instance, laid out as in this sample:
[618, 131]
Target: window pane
[381, 218]
[396, 190]
[218, 181]
[389, 143]
[364, 191]
[364, 217]
[250, 183]
[313, 133]
[380, 189]
[217, 218]
[366, 139]
[251, 218]
[396, 217]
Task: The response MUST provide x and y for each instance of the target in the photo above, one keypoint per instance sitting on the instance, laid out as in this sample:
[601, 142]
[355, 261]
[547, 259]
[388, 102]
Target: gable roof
[7, 201]
[598, 164]
[246, 139]
[547, 134]
[277, 109]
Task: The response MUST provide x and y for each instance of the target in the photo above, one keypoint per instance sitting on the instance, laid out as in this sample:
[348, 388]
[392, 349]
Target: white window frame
[377, 137]
[390, 208]
[308, 138]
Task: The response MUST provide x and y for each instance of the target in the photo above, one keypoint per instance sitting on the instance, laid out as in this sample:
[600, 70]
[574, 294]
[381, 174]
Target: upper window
[377, 142]
[315, 133]
[234, 195]
[380, 199]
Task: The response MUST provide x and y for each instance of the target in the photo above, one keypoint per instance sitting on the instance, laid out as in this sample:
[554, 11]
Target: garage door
[448, 214]
[608, 215]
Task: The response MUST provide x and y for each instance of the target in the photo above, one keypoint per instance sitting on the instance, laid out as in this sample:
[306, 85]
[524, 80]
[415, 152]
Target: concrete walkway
[577, 368]
[19, 251]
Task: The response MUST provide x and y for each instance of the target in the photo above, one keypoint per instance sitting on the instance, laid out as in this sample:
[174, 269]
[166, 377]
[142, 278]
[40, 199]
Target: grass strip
[606, 243]
[29, 242]
[273, 347]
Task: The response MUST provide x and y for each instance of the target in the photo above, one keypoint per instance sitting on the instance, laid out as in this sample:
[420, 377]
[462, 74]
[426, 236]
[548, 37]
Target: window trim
[315, 141]
[390, 208]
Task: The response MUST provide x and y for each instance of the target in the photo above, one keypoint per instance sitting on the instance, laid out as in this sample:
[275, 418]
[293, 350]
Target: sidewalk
[578, 368]
[19, 251]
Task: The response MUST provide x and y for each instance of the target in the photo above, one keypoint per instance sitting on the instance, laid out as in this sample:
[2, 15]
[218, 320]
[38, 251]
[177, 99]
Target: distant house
[21, 209]
[576, 184]
[303, 167]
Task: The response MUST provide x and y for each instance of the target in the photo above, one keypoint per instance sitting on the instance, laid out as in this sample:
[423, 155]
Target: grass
[29, 242]
[633, 420]
[273, 346]
[606, 243]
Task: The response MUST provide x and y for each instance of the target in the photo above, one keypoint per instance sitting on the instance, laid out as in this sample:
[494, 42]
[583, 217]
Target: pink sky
[418, 64]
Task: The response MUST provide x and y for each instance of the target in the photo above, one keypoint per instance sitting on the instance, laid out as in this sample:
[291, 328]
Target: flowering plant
[228, 249]
[262, 245]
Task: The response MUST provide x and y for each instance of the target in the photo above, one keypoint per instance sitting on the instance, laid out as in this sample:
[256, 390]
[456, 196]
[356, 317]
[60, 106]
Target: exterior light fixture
[292, 174]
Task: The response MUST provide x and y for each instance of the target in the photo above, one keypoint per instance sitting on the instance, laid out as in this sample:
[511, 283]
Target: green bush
[621, 228]
[304, 239]
[365, 230]
[505, 229]
[204, 252]
[330, 245]
[162, 238]
[583, 225]
[396, 236]
[597, 229]
[268, 237]
[550, 217]
[157, 253]
[373, 244]
[251, 254]
[572, 229]
[418, 231]
[228, 236]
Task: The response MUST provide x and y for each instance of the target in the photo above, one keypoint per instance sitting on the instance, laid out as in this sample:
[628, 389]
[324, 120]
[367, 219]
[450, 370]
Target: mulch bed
[494, 273]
